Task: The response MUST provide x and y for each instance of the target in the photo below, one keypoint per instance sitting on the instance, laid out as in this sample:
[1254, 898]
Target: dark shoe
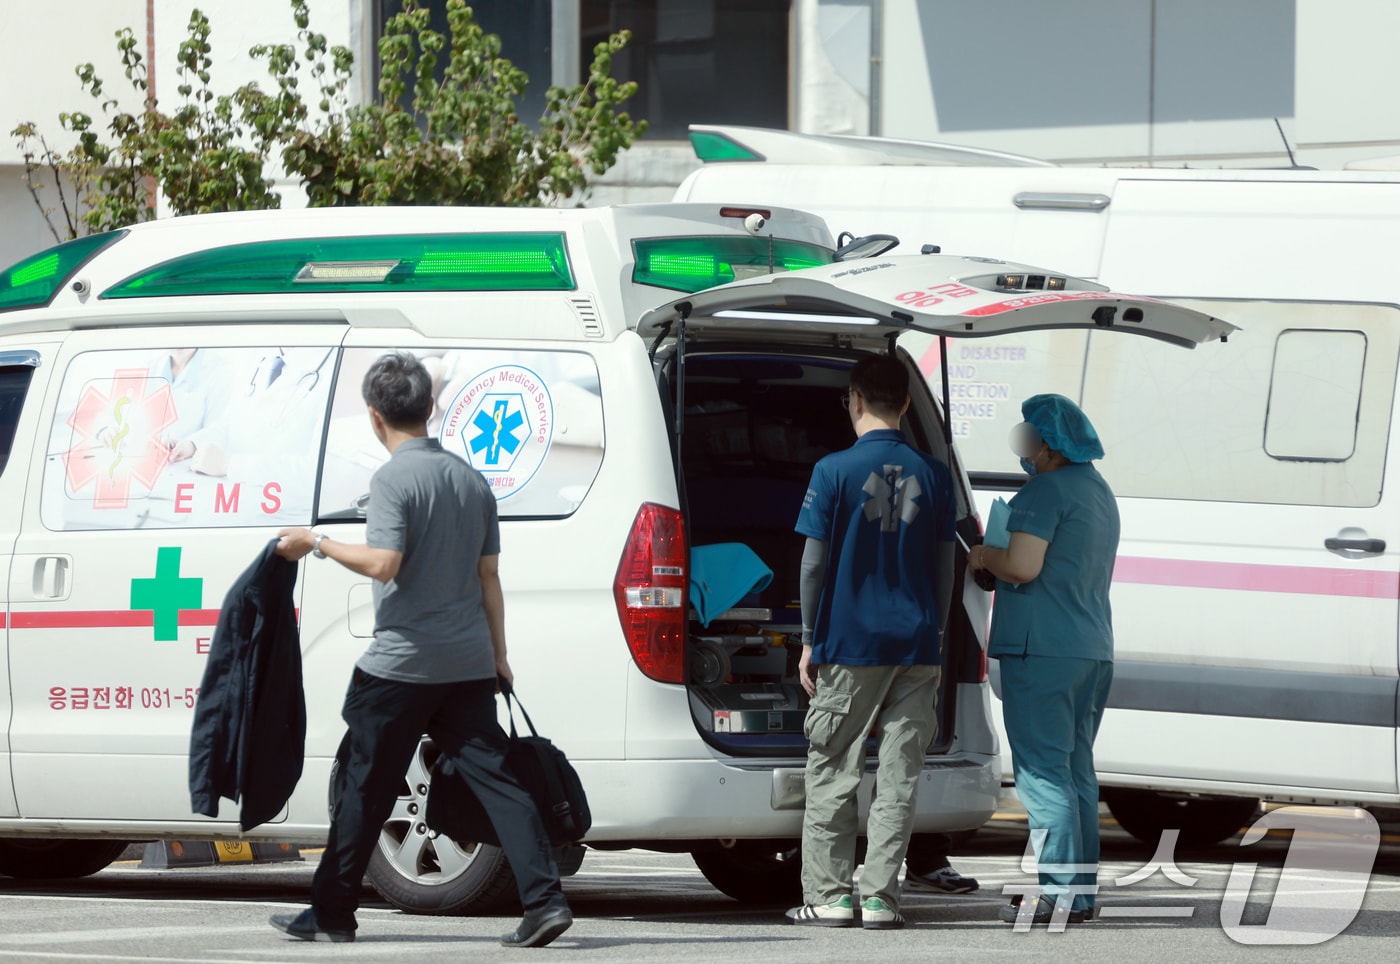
[1042, 912]
[1088, 912]
[539, 927]
[304, 927]
[944, 880]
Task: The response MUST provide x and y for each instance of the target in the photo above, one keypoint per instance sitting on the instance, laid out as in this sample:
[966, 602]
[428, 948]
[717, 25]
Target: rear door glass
[531, 422]
[988, 378]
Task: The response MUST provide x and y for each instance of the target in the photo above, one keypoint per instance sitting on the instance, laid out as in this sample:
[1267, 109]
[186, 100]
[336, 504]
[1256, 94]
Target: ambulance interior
[754, 425]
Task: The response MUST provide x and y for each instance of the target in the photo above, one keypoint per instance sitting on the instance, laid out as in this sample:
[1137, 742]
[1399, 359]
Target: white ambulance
[632, 381]
[1257, 593]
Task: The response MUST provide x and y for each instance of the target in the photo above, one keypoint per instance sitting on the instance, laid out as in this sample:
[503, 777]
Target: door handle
[51, 577]
[1355, 545]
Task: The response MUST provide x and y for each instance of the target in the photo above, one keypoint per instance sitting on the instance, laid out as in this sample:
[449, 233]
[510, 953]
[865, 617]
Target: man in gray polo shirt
[432, 547]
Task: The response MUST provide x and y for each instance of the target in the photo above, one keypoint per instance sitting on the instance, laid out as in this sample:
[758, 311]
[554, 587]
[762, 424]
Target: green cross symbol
[167, 593]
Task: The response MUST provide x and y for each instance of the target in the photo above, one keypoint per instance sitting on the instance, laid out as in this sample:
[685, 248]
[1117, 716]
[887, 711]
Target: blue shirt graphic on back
[882, 507]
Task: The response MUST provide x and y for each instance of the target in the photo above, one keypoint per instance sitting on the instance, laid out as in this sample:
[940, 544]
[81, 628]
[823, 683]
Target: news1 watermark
[1316, 895]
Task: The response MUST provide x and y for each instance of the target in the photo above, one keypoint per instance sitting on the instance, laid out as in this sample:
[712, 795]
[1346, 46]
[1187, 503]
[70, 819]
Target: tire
[36, 859]
[1203, 821]
[754, 871]
[421, 872]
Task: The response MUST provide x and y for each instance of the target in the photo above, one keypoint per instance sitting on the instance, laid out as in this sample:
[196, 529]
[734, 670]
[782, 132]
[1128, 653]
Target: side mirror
[867, 246]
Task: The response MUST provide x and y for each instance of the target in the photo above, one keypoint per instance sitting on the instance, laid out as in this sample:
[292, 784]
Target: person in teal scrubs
[1052, 631]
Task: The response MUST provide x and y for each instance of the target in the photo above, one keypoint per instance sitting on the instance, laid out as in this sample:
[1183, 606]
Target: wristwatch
[316, 546]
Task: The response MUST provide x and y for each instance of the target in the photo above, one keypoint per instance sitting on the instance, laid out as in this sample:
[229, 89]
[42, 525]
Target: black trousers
[386, 719]
[927, 853]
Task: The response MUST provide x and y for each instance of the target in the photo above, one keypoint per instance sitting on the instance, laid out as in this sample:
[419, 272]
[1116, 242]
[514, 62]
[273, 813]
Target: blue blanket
[723, 574]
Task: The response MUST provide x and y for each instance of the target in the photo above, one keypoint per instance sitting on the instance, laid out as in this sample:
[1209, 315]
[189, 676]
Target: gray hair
[399, 388]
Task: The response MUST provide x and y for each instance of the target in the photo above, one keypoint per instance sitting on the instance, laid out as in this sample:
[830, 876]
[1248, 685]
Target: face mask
[1025, 443]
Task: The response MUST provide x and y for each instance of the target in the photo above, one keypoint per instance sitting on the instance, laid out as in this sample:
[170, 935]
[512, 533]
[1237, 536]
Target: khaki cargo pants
[898, 703]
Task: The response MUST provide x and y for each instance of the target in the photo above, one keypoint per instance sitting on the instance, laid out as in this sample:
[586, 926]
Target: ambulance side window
[14, 384]
[531, 422]
[187, 438]
[1294, 409]
[1315, 395]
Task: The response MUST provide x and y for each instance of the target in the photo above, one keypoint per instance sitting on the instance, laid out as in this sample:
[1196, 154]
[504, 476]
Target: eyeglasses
[846, 399]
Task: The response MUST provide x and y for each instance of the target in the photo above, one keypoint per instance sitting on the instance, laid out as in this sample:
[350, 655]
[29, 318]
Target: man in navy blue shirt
[876, 589]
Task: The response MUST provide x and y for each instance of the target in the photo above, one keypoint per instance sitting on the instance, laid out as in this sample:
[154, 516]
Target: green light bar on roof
[693, 264]
[710, 147]
[396, 262]
[35, 280]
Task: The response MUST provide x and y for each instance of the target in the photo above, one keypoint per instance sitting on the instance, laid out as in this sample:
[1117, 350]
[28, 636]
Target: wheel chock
[267, 853]
[160, 854]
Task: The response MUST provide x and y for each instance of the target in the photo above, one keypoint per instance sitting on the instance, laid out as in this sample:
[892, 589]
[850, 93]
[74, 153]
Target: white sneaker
[838, 913]
[876, 915]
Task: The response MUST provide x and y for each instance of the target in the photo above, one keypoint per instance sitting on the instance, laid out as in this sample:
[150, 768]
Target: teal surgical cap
[1064, 426]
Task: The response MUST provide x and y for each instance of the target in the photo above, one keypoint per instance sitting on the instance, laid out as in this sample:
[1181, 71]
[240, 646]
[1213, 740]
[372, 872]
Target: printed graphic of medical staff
[200, 385]
[266, 437]
[502, 422]
[111, 460]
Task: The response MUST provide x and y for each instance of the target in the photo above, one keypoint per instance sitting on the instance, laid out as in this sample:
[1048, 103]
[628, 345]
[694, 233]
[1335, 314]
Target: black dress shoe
[1042, 912]
[538, 927]
[304, 927]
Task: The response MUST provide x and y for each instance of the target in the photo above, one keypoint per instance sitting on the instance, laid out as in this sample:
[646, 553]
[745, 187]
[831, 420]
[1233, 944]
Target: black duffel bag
[542, 769]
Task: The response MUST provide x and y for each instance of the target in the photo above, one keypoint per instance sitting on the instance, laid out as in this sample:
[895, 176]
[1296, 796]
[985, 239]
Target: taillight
[650, 590]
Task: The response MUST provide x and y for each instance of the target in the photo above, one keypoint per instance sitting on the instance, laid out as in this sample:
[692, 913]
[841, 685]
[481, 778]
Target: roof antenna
[1292, 162]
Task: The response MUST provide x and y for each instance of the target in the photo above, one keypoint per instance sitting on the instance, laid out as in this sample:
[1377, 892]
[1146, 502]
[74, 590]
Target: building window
[696, 61]
[526, 32]
[1153, 62]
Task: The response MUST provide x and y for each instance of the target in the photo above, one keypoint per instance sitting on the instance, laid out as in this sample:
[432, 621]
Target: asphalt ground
[639, 906]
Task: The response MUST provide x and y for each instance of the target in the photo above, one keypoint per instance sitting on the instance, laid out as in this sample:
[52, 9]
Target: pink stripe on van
[1251, 577]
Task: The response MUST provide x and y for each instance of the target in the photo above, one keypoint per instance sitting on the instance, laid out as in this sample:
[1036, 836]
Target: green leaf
[463, 142]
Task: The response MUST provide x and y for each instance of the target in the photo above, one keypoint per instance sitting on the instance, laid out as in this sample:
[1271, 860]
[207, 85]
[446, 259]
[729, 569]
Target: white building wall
[647, 174]
[1348, 81]
[831, 43]
[1340, 80]
[37, 81]
[236, 27]
[37, 78]
[1134, 62]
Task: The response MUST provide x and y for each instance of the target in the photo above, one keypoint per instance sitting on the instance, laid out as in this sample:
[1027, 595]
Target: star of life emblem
[891, 498]
[502, 423]
[117, 437]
